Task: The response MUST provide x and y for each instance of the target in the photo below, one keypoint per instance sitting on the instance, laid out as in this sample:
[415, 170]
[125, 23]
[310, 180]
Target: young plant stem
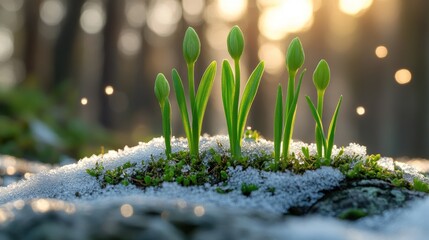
[319, 138]
[162, 91]
[166, 127]
[287, 134]
[194, 149]
[278, 124]
[236, 148]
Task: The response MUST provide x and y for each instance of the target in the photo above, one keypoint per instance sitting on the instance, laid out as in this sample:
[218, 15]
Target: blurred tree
[31, 10]
[63, 48]
[109, 74]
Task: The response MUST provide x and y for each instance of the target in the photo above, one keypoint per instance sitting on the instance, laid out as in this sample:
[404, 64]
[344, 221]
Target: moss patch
[212, 167]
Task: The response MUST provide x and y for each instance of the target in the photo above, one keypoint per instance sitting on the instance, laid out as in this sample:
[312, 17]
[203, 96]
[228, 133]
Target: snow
[67, 182]
[72, 184]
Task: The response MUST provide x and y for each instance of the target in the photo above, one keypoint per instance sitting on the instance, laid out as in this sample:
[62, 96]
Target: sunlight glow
[273, 57]
[232, 10]
[163, 17]
[360, 110]
[10, 170]
[6, 44]
[403, 76]
[52, 12]
[84, 101]
[381, 51]
[199, 211]
[287, 17]
[93, 17]
[135, 12]
[19, 204]
[127, 210]
[129, 42]
[354, 7]
[216, 35]
[109, 90]
[41, 206]
[12, 5]
[193, 7]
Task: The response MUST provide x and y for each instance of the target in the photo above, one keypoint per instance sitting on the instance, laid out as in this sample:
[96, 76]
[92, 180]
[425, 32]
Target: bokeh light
[216, 35]
[354, 7]
[163, 17]
[129, 42]
[109, 90]
[403, 76]
[84, 101]
[273, 57]
[12, 5]
[6, 44]
[52, 12]
[287, 17]
[231, 10]
[193, 9]
[93, 17]
[199, 211]
[127, 210]
[135, 13]
[41, 206]
[381, 51]
[7, 77]
[360, 110]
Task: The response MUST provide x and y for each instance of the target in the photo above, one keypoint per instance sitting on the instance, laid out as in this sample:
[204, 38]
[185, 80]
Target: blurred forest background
[76, 75]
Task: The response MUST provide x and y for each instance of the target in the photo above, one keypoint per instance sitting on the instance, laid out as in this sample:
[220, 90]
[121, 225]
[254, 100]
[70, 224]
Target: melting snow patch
[72, 183]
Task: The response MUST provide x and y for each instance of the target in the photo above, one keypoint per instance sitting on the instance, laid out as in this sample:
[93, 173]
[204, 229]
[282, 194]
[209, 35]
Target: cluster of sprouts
[237, 108]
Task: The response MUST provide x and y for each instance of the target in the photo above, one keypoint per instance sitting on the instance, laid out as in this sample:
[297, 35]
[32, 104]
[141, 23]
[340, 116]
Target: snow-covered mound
[73, 185]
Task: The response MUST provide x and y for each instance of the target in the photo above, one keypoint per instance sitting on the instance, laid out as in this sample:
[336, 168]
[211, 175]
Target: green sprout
[198, 101]
[162, 90]
[284, 116]
[321, 78]
[236, 112]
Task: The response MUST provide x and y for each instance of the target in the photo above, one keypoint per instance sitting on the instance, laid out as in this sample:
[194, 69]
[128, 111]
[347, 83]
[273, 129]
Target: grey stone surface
[369, 197]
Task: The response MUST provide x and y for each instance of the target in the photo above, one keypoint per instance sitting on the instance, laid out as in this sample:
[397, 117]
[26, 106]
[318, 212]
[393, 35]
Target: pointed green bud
[191, 46]
[162, 88]
[295, 56]
[235, 42]
[321, 75]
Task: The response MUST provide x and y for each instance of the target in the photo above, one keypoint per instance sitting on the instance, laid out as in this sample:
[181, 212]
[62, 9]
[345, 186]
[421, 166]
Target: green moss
[352, 214]
[369, 169]
[420, 185]
[247, 189]
[212, 167]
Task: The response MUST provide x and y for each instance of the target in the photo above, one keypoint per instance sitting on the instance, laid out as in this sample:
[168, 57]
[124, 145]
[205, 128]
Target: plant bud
[162, 88]
[191, 46]
[235, 43]
[295, 56]
[321, 75]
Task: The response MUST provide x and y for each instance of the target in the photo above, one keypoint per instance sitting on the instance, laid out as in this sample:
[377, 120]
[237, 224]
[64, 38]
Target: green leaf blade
[181, 101]
[317, 118]
[203, 92]
[331, 131]
[278, 123]
[248, 96]
[290, 117]
[227, 86]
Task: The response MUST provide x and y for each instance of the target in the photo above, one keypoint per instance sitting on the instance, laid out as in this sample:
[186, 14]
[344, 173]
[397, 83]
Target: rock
[353, 200]
[149, 220]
